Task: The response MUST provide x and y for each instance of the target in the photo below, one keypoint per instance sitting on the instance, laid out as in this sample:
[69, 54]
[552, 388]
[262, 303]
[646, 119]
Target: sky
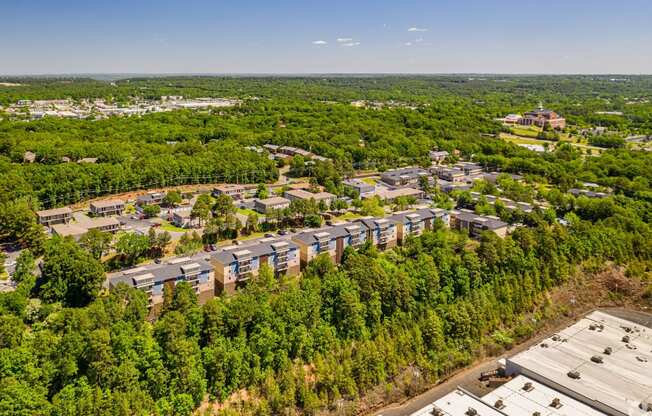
[327, 36]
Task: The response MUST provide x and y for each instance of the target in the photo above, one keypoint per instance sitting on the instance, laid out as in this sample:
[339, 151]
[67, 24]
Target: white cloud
[418, 40]
[408, 44]
[351, 44]
[417, 29]
[344, 40]
[319, 42]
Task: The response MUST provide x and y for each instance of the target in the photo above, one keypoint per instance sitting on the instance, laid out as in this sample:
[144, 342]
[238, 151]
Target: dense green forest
[299, 346]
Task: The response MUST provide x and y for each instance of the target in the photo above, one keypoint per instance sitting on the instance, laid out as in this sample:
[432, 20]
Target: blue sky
[328, 36]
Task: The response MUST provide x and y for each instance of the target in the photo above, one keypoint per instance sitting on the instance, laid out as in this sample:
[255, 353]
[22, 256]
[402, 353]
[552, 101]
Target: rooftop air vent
[596, 359]
[641, 359]
[437, 412]
[471, 412]
[574, 374]
[528, 386]
[556, 337]
[544, 345]
[646, 407]
[625, 338]
[536, 414]
[499, 404]
[556, 403]
[608, 350]
[630, 346]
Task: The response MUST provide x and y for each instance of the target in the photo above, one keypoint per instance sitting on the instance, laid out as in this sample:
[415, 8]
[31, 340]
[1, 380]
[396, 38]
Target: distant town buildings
[99, 108]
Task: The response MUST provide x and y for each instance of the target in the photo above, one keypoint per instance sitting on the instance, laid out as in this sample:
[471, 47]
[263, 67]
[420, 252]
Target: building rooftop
[275, 200]
[420, 214]
[524, 396]
[459, 403]
[107, 203]
[489, 221]
[54, 211]
[396, 193]
[68, 230]
[620, 380]
[330, 232]
[301, 194]
[256, 248]
[228, 187]
[160, 272]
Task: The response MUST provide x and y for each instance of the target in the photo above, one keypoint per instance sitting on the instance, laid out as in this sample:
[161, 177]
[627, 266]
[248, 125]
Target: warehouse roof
[524, 396]
[606, 361]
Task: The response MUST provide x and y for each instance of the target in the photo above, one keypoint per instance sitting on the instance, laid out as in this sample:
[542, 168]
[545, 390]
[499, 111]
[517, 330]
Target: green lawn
[168, 226]
[370, 181]
[247, 211]
[525, 131]
[348, 216]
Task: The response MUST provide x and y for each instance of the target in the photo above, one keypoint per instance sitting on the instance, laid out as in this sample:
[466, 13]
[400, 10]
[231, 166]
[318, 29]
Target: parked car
[282, 232]
[269, 235]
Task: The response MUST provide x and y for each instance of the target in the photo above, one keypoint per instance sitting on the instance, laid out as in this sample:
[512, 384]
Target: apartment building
[150, 198]
[414, 223]
[331, 240]
[361, 187]
[507, 203]
[107, 207]
[390, 195]
[382, 232]
[438, 156]
[235, 265]
[183, 218]
[152, 278]
[492, 177]
[404, 177]
[294, 151]
[475, 224]
[446, 173]
[469, 168]
[50, 217]
[587, 193]
[268, 205]
[234, 191]
[76, 230]
[300, 194]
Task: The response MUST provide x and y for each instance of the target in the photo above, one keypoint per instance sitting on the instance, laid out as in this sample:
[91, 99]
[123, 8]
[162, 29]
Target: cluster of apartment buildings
[61, 221]
[233, 266]
[99, 108]
[601, 365]
[286, 152]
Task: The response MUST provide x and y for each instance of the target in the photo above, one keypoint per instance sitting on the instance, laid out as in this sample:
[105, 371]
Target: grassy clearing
[348, 216]
[168, 226]
[247, 211]
[525, 131]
